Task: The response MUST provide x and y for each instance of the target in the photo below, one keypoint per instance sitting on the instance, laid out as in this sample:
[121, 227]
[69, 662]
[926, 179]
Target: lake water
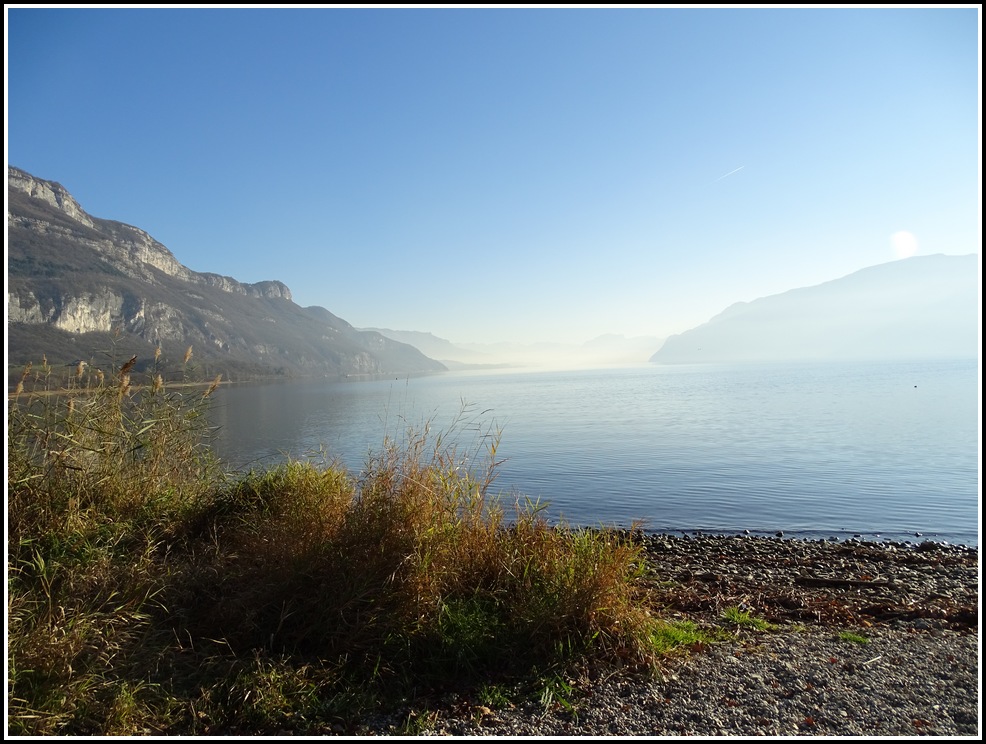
[812, 450]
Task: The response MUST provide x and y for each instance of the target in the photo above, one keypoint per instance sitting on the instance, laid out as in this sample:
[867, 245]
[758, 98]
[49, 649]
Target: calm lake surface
[813, 450]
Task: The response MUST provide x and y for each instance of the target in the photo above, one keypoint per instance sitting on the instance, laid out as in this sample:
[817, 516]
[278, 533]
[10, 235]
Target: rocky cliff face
[130, 247]
[84, 276]
[48, 192]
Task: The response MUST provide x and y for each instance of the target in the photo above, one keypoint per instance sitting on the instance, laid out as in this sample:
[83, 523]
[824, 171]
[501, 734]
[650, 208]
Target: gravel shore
[917, 673]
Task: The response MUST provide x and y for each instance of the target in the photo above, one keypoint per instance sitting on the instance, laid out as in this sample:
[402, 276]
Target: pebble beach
[862, 639]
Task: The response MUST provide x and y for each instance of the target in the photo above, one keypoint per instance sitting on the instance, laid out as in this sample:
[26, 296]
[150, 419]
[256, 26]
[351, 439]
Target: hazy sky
[500, 174]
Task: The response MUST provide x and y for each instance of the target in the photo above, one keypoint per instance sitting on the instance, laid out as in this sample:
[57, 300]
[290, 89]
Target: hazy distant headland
[922, 307]
[916, 308]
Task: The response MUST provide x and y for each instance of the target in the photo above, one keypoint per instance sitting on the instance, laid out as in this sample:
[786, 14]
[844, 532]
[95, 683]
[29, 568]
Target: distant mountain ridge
[919, 307]
[78, 284]
[606, 350]
[440, 349]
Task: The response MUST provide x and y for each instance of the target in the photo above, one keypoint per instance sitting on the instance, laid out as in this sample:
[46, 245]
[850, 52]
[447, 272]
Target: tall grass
[152, 592]
[100, 471]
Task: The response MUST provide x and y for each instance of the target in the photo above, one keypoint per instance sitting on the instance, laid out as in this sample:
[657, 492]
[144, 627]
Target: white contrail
[726, 175]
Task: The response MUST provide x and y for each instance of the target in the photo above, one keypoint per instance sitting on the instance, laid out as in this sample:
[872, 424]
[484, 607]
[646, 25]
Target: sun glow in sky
[905, 244]
[497, 174]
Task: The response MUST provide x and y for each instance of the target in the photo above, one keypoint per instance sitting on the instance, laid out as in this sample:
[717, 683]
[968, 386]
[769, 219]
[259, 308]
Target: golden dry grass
[152, 592]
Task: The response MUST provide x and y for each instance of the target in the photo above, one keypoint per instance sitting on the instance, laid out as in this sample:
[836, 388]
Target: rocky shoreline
[856, 582]
[866, 638]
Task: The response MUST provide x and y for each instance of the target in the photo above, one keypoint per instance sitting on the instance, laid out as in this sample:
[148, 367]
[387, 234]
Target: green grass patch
[743, 619]
[494, 695]
[671, 637]
[850, 637]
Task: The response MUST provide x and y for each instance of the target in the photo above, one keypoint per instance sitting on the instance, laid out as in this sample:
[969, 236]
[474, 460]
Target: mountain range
[96, 290]
[82, 288]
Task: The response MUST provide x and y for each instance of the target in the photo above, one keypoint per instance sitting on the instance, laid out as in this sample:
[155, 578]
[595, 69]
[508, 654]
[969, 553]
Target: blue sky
[512, 174]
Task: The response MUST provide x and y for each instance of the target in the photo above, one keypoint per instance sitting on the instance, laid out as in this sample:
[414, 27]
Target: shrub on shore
[149, 591]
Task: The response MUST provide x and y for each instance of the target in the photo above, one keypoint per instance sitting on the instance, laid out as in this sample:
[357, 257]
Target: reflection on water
[810, 449]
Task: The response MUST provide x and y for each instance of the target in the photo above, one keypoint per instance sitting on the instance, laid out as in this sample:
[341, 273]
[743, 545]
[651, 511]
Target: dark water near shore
[813, 450]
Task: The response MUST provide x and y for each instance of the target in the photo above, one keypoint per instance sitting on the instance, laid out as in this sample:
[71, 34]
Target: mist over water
[813, 450]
